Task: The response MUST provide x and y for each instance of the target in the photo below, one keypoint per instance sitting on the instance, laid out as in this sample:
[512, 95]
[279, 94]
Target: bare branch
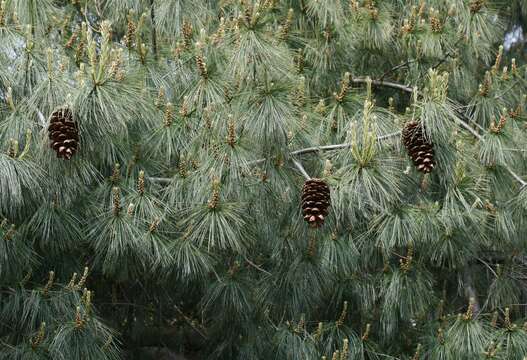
[257, 267]
[406, 63]
[337, 146]
[363, 80]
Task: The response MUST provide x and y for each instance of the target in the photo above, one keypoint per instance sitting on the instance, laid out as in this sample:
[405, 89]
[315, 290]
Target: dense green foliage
[178, 224]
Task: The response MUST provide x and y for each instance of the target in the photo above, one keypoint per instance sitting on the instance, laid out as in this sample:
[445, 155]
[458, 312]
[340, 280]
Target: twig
[467, 120]
[314, 149]
[189, 321]
[161, 180]
[507, 90]
[257, 267]
[301, 169]
[516, 177]
[336, 146]
[448, 54]
[363, 80]
[487, 265]
[469, 128]
[41, 118]
[397, 67]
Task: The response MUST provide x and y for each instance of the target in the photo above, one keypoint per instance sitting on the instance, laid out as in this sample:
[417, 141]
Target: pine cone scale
[419, 148]
[315, 201]
[63, 133]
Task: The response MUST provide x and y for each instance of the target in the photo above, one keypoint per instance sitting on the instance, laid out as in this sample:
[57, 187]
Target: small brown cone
[63, 133]
[315, 201]
[420, 150]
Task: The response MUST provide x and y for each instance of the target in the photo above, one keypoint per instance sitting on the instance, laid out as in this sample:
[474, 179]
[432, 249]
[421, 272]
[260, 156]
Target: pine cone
[419, 149]
[315, 201]
[63, 133]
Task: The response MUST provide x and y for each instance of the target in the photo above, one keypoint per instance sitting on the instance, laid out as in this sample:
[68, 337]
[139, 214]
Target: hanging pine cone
[419, 149]
[315, 201]
[63, 133]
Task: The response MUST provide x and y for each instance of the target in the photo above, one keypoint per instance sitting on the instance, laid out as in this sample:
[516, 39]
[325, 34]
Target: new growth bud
[82, 281]
[49, 284]
[153, 226]
[231, 131]
[287, 25]
[343, 314]
[79, 321]
[116, 174]
[366, 333]
[215, 197]
[187, 34]
[202, 66]
[71, 284]
[141, 183]
[344, 87]
[475, 6]
[469, 314]
[39, 338]
[130, 30]
[116, 192]
[497, 128]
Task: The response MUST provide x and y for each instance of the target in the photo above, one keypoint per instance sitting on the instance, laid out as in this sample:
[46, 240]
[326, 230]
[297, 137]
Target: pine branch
[405, 88]
[309, 150]
[461, 122]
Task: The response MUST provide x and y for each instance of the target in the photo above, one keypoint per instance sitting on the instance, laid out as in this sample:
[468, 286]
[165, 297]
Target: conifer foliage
[243, 179]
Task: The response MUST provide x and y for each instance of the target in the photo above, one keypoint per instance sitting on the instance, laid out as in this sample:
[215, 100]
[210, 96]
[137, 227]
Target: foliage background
[177, 227]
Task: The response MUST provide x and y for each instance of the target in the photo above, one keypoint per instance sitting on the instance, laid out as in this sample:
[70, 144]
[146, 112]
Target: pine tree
[242, 179]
